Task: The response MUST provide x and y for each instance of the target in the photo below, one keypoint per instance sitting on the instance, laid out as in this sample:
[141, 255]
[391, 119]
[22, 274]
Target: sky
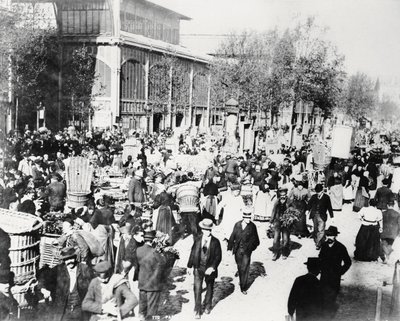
[367, 32]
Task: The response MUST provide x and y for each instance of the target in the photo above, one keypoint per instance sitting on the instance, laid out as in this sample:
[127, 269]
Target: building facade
[128, 38]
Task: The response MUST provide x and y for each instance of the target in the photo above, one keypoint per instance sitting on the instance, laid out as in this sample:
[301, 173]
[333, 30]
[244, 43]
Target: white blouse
[370, 215]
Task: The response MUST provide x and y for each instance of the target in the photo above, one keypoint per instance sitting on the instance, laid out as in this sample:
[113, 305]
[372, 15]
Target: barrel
[188, 198]
[24, 231]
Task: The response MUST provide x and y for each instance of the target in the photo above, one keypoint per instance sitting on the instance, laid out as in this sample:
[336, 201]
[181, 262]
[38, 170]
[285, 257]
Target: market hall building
[127, 38]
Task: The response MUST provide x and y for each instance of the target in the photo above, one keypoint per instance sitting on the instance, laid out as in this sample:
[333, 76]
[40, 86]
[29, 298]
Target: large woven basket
[24, 231]
[77, 199]
[188, 198]
[49, 253]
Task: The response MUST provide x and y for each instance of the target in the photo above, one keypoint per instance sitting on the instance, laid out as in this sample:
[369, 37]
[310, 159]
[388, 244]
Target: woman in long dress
[263, 203]
[298, 198]
[348, 195]
[232, 205]
[368, 237]
[166, 221]
[336, 191]
[362, 195]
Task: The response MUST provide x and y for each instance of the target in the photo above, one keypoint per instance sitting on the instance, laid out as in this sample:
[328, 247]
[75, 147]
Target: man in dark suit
[126, 258]
[205, 256]
[67, 283]
[151, 269]
[383, 195]
[278, 210]
[135, 191]
[243, 241]
[319, 204]
[305, 298]
[335, 261]
[391, 230]
[55, 193]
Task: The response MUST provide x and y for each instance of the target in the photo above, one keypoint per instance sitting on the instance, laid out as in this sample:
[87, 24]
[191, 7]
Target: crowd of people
[128, 262]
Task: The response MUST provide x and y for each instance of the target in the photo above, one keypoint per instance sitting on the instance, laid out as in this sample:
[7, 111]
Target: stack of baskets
[24, 231]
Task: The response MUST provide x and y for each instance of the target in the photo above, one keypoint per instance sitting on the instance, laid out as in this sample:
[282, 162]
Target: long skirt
[348, 195]
[263, 206]
[367, 243]
[360, 201]
[336, 194]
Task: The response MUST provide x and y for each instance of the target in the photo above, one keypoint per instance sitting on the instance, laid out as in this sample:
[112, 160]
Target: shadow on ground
[358, 303]
[222, 289]
[171, 304]
[256, 269]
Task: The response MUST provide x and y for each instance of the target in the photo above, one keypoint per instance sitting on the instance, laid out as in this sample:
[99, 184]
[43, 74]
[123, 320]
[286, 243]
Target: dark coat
[8, 307]
[306, 298]
[383, 196]
[135, 191]
[214, 258]
[391, 224]
[127, 252]
[55, 193]
[247, 238]
[335, 261]
[152, 266]
[321, 206]
[56, 280]
[124, 299]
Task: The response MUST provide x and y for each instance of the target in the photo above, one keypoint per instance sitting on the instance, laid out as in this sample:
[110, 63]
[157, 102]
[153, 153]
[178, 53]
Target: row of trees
[269, 71]
[30, 68]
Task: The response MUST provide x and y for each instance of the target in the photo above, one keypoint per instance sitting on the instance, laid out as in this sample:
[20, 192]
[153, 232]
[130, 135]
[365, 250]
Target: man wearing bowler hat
[243, 241]
[318, 206]
[205, 257]
[305, 298]
[335, 261]
[151, 270]
[278, 210]
[67, 283]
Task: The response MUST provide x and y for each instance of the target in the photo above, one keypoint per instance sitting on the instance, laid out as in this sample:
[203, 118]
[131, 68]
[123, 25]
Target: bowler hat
[149, 235]
[318, 188]
[206, 224]
[332, 231]
[102, 267]
[313, 262]
[67, 253]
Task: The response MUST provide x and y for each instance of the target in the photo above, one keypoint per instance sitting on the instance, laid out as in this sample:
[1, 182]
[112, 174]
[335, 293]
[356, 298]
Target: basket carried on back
[79, 176]
[49, 253]
[188, 198]
[24, 231]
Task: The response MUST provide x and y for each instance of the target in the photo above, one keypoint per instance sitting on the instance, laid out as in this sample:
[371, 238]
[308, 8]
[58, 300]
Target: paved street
[267, 297]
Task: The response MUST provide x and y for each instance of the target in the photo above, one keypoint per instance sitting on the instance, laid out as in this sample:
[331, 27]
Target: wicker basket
[49, 253]
[188, 198]
[24, 231]
[77, 199]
